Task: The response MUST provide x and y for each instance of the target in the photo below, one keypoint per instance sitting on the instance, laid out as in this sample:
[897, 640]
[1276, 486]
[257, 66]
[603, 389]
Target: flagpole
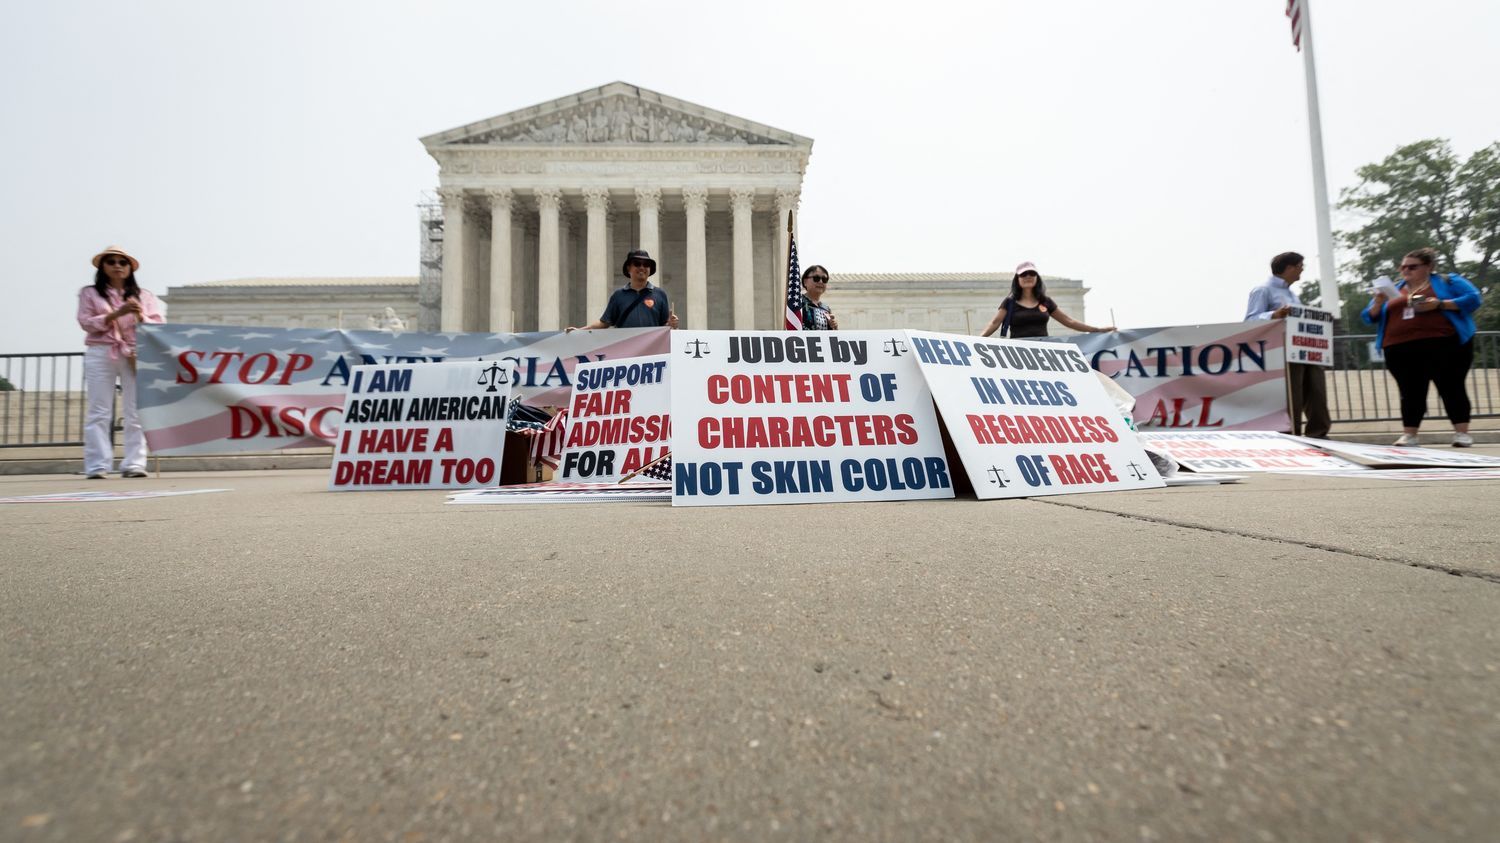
[1328, 283]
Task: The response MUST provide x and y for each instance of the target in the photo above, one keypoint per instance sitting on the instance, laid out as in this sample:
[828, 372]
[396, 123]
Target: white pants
[99, 375]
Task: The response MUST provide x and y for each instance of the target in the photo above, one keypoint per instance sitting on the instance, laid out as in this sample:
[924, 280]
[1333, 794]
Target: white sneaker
[1463, 440]
[1407, 440]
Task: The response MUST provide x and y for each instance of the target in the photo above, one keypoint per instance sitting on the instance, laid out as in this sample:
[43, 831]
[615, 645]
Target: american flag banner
[1294, 11]
[793, 282]
[547, 443]
[660, 470]
[221, 389]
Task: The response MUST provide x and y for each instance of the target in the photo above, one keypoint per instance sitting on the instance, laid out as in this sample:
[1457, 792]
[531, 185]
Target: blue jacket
[1455, 288]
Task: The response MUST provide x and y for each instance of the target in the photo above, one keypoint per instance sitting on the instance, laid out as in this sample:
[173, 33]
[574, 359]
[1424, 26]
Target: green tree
[1424, 195]
[6, 385]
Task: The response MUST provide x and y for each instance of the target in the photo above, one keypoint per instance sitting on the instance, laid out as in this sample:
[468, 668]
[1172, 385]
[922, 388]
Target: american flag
[547, 443]
[660, 470]
[793, 282]
[1294, 11]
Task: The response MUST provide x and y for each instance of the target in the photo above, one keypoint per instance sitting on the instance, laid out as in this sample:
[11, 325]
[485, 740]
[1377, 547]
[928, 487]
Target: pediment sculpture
[619, 120]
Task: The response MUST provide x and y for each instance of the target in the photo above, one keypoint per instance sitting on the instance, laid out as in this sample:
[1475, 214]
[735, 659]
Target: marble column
[549, 279]
[596, 262]
[502, 319]
[451, 306]
[648, 205]
[695, 204]
[740, 199]
[786, 203]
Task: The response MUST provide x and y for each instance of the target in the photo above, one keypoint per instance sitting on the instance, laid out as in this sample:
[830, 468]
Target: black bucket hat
[638, 255]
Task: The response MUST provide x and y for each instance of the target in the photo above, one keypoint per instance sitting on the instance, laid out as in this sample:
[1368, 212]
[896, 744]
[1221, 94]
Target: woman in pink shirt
[108, 311]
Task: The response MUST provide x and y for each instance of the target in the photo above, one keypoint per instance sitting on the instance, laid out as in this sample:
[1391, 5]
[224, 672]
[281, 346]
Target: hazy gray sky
[1156, 150]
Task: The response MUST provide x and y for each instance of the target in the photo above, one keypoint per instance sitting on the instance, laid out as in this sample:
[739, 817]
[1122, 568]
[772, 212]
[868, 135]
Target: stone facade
[953, 302]
[352, 303]
[539, 207]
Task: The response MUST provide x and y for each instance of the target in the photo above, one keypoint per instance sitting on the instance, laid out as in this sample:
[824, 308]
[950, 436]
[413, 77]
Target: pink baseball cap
[1026, 266]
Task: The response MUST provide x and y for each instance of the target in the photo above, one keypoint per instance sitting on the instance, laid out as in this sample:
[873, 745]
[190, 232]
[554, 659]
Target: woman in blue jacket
[1427, 334]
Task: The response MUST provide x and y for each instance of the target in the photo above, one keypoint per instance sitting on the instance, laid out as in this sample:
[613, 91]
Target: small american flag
[547, 442]
[793, 282]
[660, 470]
[1294, 11]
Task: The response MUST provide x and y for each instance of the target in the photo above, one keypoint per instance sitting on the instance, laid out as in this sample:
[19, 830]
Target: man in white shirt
[1274, 300]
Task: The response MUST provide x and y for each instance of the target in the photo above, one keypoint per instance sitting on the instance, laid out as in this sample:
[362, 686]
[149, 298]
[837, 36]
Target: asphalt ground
[1284, 659]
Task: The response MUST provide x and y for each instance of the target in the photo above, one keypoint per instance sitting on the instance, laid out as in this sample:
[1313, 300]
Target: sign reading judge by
[804, 417]
[422, 426]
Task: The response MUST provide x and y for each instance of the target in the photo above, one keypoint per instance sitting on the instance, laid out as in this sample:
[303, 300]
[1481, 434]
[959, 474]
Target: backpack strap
[633, 305]
[1010, 307]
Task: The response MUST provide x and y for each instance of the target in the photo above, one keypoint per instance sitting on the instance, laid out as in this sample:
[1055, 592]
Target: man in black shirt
[637, 304]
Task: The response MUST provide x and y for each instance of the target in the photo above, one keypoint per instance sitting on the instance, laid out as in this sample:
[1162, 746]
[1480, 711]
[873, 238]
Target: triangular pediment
[617, 113]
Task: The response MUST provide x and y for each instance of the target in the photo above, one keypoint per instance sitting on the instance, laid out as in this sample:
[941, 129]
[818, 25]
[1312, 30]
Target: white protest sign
[1391, 455]
[1424, 475]
[1309, 336]
[618, 419]
[422, 426]
[801, 417]
[1244, 450]
[1029, 418]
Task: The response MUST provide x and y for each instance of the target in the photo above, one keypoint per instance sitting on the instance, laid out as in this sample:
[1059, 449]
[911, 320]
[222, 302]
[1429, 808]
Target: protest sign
[1200, 377]
[1029, 418]
[618, 419]
[1309, 336]
[1382, 455]
[1244, 450]
[1423, 475]
[98, 496]
[216, 389]
[801, 417]
[422, 426]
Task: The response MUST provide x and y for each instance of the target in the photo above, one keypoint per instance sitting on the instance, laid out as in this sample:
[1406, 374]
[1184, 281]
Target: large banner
[1198, 377]
[217, 389]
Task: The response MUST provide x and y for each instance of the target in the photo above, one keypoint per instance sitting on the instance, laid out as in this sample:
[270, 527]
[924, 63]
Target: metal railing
[1361, 390]
[46, 406]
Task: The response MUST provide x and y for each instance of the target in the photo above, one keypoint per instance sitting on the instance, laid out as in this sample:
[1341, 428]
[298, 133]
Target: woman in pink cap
[108, 311]
[1025, 312]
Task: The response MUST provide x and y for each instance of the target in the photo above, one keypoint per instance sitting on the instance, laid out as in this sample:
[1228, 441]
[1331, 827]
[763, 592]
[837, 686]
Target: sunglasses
[1406, 266]
[818, 279]
[1029, 274]
[640, 263]
[116, 262]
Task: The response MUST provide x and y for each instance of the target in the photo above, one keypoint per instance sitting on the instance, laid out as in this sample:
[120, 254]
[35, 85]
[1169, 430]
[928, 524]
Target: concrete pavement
[1289, 658]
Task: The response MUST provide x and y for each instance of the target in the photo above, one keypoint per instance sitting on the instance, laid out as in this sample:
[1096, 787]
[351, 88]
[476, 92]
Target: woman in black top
[1025, 312]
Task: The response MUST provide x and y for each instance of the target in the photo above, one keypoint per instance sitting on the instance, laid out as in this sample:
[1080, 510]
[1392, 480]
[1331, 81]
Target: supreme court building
[538, 208]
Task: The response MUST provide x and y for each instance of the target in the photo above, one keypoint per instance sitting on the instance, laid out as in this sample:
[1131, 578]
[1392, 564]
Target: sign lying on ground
[619, 418]
[422, 426]
[1309, 336]
[102, 495]
[1379, 455]
[215, 389]
[1197, 377]
[1244, 450]
[801, 417]
[1029, 418]
[1423, 475]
